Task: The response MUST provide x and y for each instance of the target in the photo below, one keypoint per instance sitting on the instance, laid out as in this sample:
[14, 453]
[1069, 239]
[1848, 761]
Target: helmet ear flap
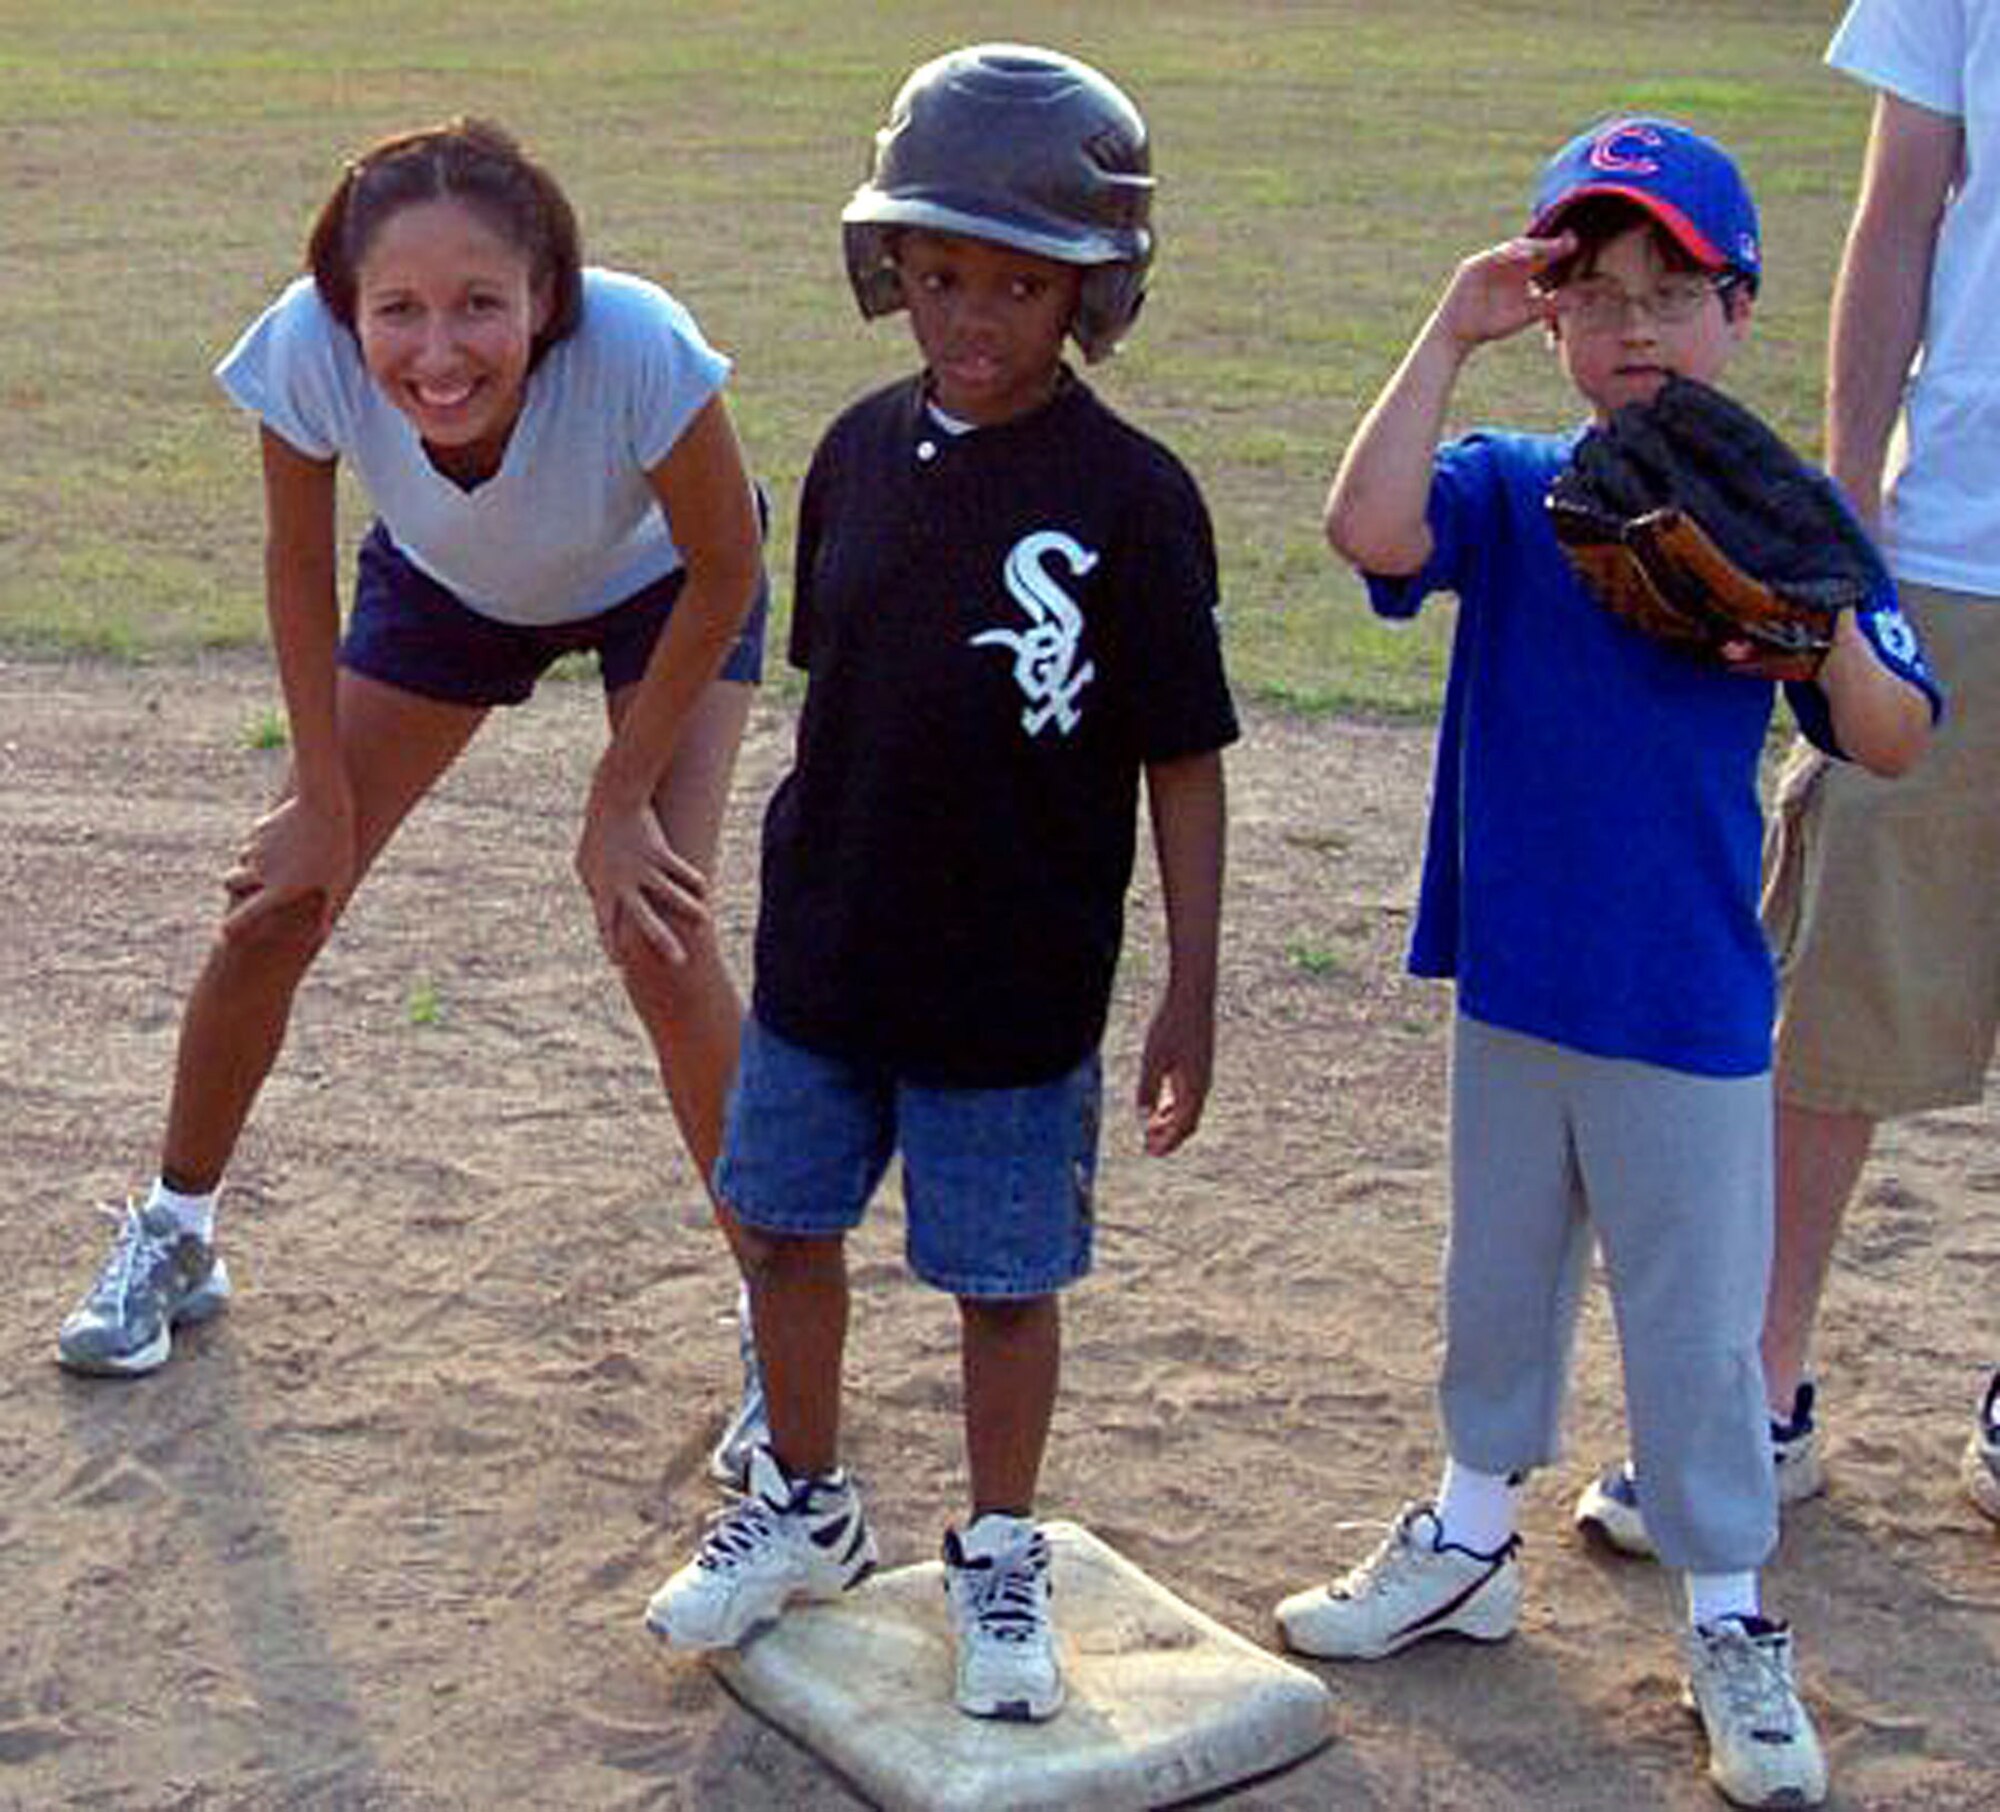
[871, 253]
[871, 267]
[1108, 300]
[1108, 304]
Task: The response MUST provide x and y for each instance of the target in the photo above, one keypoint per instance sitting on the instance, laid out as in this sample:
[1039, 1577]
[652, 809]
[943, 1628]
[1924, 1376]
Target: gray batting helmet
[1024, 147]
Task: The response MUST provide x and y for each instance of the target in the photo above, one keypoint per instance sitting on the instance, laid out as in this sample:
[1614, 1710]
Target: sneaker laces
[737, 1534]
[1755, 1682]
[1003, 1593]
[1390, 1558]
[114, 1277]
[753, 1523]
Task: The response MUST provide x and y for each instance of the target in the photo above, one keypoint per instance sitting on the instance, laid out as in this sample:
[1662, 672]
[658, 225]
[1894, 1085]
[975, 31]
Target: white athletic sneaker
[1980, 1468]
[1762, 1748]
[1414, 1585]
[784, 1539]
[157, 1277]
[997, 1586]
[1608, 1507]
[750, 1427]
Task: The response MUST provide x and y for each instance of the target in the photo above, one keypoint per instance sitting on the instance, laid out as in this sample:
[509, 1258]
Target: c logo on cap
[1622, 149]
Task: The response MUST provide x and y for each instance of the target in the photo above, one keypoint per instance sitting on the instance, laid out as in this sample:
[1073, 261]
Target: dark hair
[1596, 220]
[465, 160]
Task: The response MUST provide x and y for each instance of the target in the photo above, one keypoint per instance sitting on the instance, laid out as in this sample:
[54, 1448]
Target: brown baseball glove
[1693, 521]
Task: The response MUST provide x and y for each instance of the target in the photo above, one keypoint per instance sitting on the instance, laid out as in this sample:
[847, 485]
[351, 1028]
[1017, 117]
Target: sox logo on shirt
[1045, 653]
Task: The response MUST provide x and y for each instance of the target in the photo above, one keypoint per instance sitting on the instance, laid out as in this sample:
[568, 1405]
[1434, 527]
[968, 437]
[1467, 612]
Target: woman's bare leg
[692, 1011]
[395, 745]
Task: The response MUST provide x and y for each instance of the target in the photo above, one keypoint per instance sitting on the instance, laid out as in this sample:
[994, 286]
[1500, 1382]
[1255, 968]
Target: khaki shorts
[1882, 897]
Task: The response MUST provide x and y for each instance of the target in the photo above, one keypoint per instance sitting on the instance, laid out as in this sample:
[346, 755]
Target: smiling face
[1617, 354]
[989, 320]
[446, 310]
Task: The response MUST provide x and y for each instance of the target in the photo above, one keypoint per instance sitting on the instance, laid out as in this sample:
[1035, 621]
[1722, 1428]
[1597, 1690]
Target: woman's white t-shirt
[570, 525]
[1942, 522]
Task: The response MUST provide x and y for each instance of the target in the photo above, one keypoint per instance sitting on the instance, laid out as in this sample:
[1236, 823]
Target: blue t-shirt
[1592, 866]
[570, 525]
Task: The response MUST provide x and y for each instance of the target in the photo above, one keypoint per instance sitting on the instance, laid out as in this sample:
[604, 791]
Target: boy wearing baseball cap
[1590, 887]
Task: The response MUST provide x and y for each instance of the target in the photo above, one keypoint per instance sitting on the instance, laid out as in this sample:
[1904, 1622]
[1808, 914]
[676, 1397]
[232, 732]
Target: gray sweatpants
[1672, 1172]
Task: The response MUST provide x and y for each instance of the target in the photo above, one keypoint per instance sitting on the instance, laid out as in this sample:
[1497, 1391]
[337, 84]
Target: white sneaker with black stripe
[1980, 1468]
[1762, 1748]
[997, 1585]
[1416, 1584]
[784, 1539]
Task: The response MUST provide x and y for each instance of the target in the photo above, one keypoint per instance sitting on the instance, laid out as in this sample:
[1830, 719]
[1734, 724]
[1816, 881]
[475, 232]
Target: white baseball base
[1164, 1704]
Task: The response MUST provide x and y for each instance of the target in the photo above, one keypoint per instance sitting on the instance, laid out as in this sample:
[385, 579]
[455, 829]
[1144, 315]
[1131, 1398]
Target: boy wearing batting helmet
[1005, 603]
[1591, 888]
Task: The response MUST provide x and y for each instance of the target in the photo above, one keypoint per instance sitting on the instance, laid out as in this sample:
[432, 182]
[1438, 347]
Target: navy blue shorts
[997, 1182]
[410, 632]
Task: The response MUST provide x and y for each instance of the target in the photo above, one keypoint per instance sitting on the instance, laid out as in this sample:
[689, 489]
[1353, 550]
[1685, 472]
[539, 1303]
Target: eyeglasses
[1602, 303]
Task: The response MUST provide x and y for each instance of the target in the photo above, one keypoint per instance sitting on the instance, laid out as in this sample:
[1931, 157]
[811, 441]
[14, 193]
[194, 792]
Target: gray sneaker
[750, 1427]
[1762, 1748]
[157, 1278]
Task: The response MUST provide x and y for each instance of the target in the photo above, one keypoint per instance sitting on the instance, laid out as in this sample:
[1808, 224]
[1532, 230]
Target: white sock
[1476, 1510]
[1714, 1596]
[192, 1213]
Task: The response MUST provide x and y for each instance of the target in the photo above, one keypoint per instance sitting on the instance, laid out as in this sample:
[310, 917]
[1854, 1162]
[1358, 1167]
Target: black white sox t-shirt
[1001, 629]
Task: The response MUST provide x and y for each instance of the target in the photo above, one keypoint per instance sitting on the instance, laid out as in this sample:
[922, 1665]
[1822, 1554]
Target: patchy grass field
[381, 1537]
[1321, 166]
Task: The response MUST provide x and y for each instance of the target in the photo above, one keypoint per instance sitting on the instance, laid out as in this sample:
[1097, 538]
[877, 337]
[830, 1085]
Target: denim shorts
[997, 1182]
[410, 632]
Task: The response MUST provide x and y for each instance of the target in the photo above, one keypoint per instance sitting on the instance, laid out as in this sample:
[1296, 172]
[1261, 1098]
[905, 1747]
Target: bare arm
[1881, 721]
[302, 605]
[1375, 512]
[1913, 158]
[707, 497]
[1189, 831]
[306, 844]
[624, 859]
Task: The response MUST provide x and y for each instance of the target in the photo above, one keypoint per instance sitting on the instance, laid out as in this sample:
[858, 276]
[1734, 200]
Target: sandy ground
[382, 1536]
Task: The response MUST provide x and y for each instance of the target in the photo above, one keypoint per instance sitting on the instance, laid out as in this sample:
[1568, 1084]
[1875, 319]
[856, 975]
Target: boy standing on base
[1591, 887]
[1005, 600]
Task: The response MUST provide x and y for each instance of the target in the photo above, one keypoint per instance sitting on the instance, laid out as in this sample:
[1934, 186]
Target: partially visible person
[552, 468]
[1878, 899]
[1590, 887]
[1005, 605]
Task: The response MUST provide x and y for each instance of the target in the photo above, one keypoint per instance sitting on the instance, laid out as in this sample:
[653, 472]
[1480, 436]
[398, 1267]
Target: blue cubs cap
[1686, 182]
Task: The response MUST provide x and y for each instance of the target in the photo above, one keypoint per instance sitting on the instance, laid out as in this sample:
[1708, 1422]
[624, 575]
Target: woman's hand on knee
[648, 898]
[298, 862]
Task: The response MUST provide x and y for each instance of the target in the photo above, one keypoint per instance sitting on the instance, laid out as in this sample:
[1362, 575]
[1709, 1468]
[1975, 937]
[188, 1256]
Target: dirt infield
[382, 1536]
